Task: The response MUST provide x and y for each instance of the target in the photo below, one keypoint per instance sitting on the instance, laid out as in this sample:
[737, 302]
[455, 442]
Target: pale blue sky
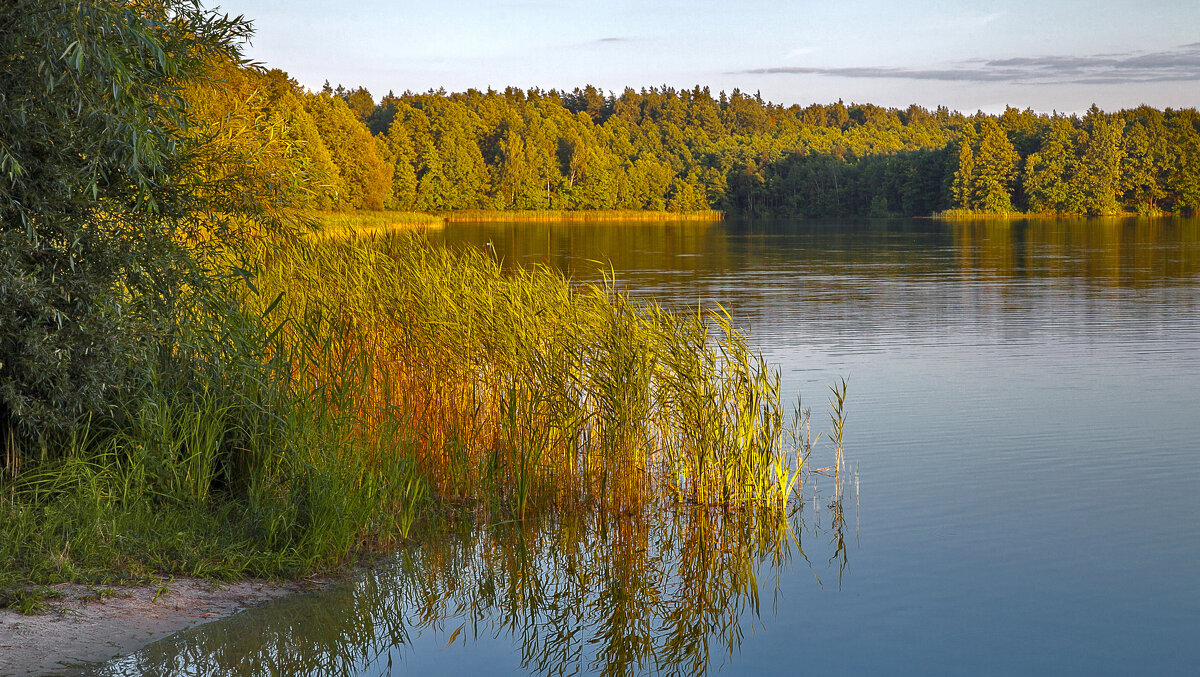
[1045, 54]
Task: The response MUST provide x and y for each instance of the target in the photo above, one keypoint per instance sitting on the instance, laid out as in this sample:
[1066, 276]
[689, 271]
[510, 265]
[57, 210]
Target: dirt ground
[89, 624]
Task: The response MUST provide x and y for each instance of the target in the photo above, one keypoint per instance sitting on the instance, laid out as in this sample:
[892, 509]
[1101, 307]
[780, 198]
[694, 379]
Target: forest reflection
[669, 592]
[1111, 251]
[1119, 251]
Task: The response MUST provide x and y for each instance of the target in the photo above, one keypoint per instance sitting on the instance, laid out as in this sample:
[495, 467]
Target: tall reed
[837, 417]
[524, 390]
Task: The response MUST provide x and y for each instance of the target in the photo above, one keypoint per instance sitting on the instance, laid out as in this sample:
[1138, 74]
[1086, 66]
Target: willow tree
[99, 194]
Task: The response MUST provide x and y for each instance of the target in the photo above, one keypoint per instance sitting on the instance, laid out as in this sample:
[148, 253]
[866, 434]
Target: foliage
[97, 198]
[187, 388]
[987, 170]
[364, 179]
[686, 150]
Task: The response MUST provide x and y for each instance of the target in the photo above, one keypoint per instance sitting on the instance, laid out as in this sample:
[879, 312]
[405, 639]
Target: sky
[968, 55]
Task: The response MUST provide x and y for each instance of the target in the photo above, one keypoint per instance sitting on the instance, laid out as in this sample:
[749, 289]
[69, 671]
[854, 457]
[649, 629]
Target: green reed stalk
[837, 417]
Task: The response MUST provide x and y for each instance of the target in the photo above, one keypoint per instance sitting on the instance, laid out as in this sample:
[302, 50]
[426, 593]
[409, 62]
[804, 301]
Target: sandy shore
[79, 629]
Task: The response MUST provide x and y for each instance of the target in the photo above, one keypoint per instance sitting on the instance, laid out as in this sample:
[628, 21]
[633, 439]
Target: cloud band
[1178, 65]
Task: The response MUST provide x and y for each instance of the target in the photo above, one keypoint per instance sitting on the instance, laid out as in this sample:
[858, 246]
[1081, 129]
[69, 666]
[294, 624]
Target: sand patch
[83, 627]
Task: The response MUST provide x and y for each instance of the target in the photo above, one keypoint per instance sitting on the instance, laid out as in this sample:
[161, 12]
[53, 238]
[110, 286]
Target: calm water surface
[1023, 418]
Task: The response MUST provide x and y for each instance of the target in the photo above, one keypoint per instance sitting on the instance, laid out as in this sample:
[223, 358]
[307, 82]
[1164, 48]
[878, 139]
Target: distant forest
[683, 150]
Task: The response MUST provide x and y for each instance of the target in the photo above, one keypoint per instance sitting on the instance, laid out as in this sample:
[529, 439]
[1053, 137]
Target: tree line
[666, 149]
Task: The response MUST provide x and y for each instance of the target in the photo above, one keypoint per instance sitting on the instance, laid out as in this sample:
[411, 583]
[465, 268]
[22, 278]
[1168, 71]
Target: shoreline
[88, 625]
[366, 220]
[537, 215]
[953, 215]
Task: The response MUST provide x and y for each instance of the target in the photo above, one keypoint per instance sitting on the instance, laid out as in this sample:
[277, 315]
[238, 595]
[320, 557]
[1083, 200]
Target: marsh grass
[837, 418]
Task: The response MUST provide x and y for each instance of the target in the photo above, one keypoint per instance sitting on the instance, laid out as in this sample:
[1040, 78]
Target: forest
[683, 150]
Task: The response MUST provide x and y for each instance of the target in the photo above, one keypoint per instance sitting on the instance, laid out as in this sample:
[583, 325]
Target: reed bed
[523, 391]
[580, 215]
[344, 224]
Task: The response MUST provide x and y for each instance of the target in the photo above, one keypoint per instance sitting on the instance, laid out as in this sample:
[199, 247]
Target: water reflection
[1114, 251]
[1109, 251]
[669, 592]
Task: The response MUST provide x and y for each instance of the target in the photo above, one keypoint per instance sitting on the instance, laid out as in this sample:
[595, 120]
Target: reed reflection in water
[671, 592]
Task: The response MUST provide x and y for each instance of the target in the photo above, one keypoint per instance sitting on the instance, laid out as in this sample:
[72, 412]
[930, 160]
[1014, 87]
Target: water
[1024, 425]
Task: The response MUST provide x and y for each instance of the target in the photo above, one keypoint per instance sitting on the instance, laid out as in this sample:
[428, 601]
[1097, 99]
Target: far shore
[579, 215]
[367, 220]
[963, 215]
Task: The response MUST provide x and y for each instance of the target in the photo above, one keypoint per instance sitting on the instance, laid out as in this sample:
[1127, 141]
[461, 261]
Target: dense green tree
[365, 177]
[1023, 128]
[402, 154]
[360, 102]
[1183, 167]
[102, 186]
[987, 169]
[591, 101]
[1143, 156]
[1094, 186]
[379, 120]
[963, 187]
[995, 170]
[1047, 172]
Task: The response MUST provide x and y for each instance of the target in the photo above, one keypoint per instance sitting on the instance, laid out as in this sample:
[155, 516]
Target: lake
[1025, 444]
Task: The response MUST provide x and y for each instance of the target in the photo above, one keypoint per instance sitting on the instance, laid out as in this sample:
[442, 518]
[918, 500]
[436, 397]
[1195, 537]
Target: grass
[954, 214]
[358, 385]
